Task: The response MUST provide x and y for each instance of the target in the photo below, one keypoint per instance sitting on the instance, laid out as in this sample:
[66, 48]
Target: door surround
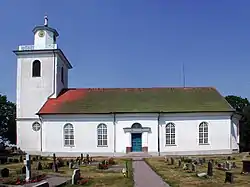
[137, 128]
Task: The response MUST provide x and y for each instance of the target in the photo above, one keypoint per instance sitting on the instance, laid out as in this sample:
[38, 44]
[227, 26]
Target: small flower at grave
[124, 172]
[83, 181]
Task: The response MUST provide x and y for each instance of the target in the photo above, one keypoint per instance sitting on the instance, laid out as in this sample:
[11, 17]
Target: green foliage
[238, 103]
[7, 120]
[242, 106]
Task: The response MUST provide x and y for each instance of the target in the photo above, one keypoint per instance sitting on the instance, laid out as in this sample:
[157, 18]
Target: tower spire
[46, 21]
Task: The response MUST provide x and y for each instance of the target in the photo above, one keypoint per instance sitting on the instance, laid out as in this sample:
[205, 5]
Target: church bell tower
[42, 73]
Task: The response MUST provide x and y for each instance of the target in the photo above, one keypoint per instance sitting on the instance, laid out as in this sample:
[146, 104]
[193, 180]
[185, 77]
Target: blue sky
[137, 43]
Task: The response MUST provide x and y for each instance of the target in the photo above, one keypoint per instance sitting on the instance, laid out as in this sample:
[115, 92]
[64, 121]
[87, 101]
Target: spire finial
[46, 21]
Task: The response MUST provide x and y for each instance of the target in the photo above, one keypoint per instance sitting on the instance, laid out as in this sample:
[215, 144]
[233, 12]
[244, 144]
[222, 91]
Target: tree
[242, 106]
[238, 103]
[7, 120]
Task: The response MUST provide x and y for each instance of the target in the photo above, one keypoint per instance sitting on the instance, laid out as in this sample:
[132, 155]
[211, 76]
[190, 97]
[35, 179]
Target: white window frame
[68, 135]
[102, 135]
[203, 133]
[170, 134]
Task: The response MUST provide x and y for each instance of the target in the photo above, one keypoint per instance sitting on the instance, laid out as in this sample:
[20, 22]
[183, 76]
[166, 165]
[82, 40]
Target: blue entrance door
[136, 142]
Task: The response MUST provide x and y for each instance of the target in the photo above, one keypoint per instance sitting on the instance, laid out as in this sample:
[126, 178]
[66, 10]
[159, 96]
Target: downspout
[114, 122]
[158, 134]
[41, 139]
[231, 126]
[54, 61]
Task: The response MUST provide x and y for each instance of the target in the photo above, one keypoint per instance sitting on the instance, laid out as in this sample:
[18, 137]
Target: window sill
[204, 144]
[170, 145]
[70, 146]
[102, 146]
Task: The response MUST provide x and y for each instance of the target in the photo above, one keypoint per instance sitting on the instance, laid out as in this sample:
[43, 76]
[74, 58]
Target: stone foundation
[145, 149]
[128, 149]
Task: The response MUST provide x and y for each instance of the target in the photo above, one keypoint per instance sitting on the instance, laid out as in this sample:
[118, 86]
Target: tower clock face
[41, 33]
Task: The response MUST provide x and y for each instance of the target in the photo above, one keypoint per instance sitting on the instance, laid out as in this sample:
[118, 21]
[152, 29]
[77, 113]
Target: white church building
[52, 118]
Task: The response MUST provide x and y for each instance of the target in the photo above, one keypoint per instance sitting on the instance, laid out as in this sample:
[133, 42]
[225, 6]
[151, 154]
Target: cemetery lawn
[177, 177]
[105, 178]
[96, 177]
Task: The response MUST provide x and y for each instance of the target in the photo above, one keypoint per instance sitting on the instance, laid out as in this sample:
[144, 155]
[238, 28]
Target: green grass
[97, 177]
[177, 177]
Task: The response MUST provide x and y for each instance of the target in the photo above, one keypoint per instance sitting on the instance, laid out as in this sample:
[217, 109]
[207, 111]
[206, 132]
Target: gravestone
[229, 166]
[172, 161]
[21, 158]
[189, 166]
[201, 174]
[166, 159]
[234, 165]
[193, 167]
[5, 172]
[39, 166]
[70, 164]
[229, 177]
[246, 166]
[200, 161]
[55, 168]
[28, 167]
[210, 169]
[224, 165]
[179, 163]
[81, 157]
[76, 176]
[87, 157]
[23, 170]
[184, 166]
[204, 160]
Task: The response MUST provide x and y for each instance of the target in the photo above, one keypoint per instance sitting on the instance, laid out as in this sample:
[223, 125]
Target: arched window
[136, 126]
[62, 75]
[102, 135]
[203, 133]
[170, 134]
[36, 69]
[68, 134]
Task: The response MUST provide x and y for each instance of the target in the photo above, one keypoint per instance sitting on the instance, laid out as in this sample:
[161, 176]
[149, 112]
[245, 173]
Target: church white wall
[187, 134]
[28, 139]
[32, 92]
[85, 131]
[235, 133]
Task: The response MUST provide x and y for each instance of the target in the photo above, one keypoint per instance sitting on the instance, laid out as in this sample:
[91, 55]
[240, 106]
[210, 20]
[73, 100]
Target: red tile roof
[108, 100]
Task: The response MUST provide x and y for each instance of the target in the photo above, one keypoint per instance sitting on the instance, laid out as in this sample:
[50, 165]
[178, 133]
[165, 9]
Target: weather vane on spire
[46, 21]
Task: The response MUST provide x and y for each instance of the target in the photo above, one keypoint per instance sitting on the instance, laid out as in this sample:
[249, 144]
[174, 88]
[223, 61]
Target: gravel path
[144, 176]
